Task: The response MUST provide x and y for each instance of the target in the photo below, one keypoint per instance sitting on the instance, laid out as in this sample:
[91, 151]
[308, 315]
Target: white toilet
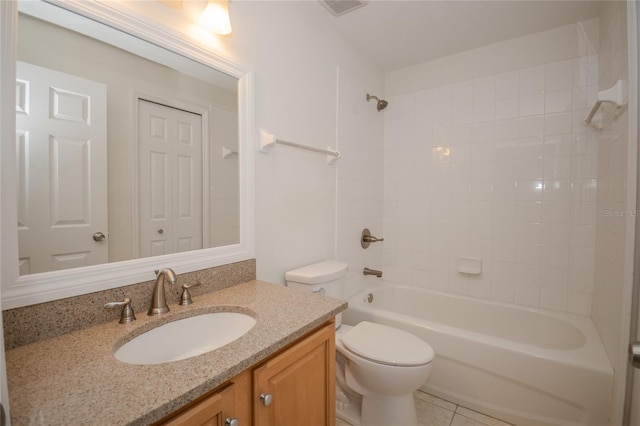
[381, 365]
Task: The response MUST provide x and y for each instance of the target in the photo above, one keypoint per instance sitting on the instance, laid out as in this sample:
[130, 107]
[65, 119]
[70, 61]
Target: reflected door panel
[62, 155]
[170, 179]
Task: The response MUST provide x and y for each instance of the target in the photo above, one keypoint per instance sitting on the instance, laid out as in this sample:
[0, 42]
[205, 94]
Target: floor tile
[481, 418]
[432, 415]
[459, 420]
[341, 422]
[435, 400]
[434, 411]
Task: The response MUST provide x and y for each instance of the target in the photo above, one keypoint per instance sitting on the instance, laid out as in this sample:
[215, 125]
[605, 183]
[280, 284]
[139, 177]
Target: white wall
[486, 156]
[295, 58]
[615, 199]
[360, 171]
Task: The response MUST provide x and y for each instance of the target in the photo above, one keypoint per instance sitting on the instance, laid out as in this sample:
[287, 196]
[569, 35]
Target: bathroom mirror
[136, 157]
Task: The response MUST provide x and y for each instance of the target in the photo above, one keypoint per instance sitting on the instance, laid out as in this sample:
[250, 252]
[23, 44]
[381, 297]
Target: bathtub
[522, 365]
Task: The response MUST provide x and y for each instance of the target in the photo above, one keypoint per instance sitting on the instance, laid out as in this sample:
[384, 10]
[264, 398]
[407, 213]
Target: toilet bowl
[377, 367]
[384, 366]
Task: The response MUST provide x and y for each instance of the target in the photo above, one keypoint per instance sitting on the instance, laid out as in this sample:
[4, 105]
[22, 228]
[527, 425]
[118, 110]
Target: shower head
[382, 104]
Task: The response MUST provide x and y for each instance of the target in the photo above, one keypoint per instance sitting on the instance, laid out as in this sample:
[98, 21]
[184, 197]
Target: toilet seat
[387, 345]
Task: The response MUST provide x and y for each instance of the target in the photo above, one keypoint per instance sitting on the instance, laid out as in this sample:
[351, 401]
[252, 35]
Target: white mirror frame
[25, 290]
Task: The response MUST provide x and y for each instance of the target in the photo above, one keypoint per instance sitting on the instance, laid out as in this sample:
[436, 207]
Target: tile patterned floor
[433, 411]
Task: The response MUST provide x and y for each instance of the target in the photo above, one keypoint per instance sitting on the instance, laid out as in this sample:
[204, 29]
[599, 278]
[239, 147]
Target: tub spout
[368, 271]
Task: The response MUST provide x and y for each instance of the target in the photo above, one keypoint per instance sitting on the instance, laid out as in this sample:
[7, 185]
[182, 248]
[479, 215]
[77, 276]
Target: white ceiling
[399, 33]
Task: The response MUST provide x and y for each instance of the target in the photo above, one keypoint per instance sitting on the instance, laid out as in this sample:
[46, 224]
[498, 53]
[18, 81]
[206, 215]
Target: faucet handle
[127, 314]
[186, 299]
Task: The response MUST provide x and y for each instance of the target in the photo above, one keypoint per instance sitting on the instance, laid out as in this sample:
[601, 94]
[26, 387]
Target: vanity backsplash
[45, 320]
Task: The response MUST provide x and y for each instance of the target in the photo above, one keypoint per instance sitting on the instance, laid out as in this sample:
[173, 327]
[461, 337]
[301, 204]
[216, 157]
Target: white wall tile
[507, 85]
[529, 233]
[530, 189]
[555, 300]
[555, 256]
[527, 296]
[529, 211]
[559, 75]
[509, 175]
[532, 80]
[554, 278]
[557, 168]
[531, 127]
[507, 108]
[484, 112]
[528, 275]
[502, 291]
[558, 101]
[579, 303]
[528, 254]
[558, 124]
[557, 146]
[531, 105]
[556, 234]
[462, 94]
[556, 211]
[506, 129]
[484, 89]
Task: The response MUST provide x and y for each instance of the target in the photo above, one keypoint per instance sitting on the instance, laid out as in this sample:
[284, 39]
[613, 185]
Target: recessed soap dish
[469, 265]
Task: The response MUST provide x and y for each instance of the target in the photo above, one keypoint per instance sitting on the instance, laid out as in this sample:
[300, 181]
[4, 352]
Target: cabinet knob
[231, 422]
[266, 398]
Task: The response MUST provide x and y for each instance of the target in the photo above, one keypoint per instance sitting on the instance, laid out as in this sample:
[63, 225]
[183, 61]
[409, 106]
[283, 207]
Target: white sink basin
[185, 338]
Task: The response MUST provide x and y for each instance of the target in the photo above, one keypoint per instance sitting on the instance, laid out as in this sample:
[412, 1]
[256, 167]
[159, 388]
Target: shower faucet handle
[367, 238]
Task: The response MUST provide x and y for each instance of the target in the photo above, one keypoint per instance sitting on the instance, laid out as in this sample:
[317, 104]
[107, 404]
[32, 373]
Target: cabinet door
[211, 411]
[300, 382]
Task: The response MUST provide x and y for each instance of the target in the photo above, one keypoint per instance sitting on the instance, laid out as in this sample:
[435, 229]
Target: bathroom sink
[185, 338]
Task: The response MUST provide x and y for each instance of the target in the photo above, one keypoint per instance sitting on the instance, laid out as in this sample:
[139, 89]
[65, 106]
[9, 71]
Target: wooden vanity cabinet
[300, 382]
[214, 410]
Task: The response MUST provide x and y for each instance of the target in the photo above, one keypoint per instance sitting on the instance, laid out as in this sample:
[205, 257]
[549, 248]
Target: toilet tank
[326, 277]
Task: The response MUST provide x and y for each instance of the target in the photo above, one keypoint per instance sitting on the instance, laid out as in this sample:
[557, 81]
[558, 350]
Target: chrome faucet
[368, 271]
[158, 300]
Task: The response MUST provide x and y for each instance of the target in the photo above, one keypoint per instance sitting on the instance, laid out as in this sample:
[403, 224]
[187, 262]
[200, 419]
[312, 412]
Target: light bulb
[215, 17]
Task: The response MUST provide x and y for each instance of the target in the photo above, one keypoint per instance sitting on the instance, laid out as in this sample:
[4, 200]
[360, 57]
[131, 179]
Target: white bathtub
[522, 365]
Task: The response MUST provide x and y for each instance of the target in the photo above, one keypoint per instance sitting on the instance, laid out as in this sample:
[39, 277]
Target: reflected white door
[170, 179]
[61, 135]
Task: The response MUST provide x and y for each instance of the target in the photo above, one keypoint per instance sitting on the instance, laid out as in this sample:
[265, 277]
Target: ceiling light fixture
[215, 17]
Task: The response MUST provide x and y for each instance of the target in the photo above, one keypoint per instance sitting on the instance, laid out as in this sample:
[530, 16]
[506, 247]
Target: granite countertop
[74, 378]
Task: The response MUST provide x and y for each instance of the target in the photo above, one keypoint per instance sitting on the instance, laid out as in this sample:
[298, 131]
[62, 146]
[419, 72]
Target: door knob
[267, 399]
[160, 231]
[231, 422]
[634, 354]
[98, 236]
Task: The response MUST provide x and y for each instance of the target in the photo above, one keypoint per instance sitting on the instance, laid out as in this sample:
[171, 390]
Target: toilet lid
[387, 345]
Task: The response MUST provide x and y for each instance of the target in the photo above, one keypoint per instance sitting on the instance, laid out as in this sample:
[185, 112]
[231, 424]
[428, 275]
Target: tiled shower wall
[499, 168]
[359, 179]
